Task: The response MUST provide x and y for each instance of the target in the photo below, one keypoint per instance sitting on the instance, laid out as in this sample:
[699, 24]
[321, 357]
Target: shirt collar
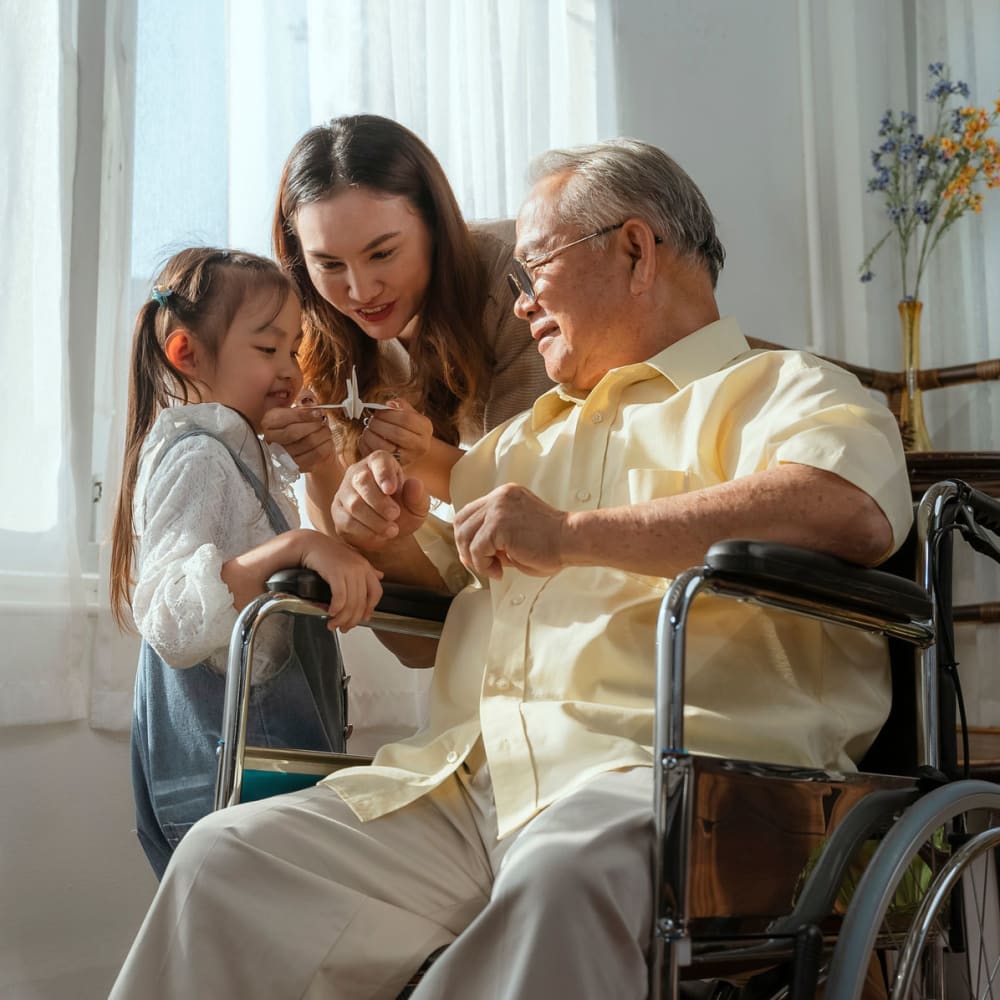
[701, 353]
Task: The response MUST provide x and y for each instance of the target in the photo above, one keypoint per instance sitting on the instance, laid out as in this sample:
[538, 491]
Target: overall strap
[276, 518]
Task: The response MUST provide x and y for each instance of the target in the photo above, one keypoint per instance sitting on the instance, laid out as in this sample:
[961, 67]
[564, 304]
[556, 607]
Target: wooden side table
[980, 469]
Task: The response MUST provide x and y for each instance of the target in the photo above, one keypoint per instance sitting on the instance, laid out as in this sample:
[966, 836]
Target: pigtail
[146, 394]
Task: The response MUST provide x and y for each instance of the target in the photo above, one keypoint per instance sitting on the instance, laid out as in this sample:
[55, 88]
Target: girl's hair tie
[160, 294]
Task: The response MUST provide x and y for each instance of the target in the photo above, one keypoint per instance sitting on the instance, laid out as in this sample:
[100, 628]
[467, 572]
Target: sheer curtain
[221, 98]
[42, 606]
[858, 61]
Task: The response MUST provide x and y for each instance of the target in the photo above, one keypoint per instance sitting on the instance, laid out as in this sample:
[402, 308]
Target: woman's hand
[303, 432]
[401, 431]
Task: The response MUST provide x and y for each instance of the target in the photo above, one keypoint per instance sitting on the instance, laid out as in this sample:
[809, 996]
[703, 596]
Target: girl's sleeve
[190, 512]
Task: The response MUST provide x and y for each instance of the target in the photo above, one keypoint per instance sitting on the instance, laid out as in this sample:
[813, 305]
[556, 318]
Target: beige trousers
[293, 898]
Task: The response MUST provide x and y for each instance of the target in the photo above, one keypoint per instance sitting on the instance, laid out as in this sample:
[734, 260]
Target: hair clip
[160, 294]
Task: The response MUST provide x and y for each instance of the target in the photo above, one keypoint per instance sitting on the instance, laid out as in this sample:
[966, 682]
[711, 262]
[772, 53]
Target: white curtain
[115, 652]
[221, 98]
[859, 60]
[963, 323]
[42, 605]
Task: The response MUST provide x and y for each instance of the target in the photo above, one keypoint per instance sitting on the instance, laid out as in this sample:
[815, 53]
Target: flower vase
[911, 405]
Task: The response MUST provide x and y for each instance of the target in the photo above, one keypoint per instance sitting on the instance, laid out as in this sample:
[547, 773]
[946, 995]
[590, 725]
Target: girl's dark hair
[450, 358]
[199, 290]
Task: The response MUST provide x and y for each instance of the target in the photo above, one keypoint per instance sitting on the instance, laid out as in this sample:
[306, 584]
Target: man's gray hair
[615, 180]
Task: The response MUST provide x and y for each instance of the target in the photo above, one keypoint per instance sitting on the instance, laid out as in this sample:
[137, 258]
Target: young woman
[396, 285]
[205, 514]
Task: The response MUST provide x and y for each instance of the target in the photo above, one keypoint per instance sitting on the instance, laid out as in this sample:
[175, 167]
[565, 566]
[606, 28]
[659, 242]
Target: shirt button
[583, 495]
[501, 683]
[597, 418]
[451, 757]
[517, 599]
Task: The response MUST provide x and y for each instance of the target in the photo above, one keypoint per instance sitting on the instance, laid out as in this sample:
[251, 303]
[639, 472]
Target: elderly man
[516, 826]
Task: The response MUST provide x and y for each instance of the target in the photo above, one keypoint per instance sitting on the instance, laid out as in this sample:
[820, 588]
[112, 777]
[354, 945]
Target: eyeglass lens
[520, 281]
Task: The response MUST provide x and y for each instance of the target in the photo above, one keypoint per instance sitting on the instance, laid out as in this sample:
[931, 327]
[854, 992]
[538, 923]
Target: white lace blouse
[194, 511]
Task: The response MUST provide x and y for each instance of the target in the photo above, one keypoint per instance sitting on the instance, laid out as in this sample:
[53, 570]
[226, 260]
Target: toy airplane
[353, 406]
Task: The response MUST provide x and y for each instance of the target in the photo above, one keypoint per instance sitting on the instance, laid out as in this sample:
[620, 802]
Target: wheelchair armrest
[397, 598]
[826, 580]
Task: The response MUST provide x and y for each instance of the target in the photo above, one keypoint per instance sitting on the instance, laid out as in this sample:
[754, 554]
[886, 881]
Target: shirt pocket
[652, 484]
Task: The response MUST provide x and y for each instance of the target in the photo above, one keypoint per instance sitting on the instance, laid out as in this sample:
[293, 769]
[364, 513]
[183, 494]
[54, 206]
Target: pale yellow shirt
[557, 675]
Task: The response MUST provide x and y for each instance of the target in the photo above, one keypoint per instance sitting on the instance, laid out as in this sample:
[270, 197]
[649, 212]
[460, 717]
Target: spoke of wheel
[935, 898]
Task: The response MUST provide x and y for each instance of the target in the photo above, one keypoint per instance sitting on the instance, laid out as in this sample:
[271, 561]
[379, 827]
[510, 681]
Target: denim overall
[177, 717]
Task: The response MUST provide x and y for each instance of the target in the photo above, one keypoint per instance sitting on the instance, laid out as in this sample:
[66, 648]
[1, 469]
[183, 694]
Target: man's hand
[376, 503]
[303, 432]
[510, 526]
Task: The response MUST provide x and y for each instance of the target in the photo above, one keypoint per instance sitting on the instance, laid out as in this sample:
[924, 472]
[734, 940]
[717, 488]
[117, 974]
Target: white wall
[716, 85]
[73, 880]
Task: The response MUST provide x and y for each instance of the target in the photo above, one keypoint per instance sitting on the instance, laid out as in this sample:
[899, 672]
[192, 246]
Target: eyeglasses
[519, 277]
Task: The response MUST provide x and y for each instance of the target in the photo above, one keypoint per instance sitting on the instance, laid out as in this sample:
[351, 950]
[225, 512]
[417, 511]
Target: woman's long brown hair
[451, 360]
[200, 290]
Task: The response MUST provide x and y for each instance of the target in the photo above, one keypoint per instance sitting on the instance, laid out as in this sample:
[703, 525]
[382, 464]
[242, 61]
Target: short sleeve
[812, 412]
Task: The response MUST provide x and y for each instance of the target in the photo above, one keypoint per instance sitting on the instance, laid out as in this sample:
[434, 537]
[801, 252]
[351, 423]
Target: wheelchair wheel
[927, 905]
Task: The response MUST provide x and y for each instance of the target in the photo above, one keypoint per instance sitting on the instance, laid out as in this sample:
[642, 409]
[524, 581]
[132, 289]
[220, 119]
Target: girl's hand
[303, 432]
[355, 586]
[401, 431]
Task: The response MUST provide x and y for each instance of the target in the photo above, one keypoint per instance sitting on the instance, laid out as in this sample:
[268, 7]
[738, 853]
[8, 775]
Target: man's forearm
[794, 504]
[403, 561]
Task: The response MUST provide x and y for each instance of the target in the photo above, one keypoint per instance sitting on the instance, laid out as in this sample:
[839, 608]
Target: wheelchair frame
[402, 609]
[791, 911]
[707, 928]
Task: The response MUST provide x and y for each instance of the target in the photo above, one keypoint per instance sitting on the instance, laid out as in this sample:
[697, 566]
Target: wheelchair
[773, 881]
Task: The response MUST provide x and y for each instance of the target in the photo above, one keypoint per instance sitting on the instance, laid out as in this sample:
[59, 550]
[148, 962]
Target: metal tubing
[671, 788]
[229, 784]
[930, 519]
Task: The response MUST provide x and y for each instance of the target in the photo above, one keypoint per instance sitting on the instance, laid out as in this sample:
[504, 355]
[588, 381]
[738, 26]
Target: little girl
[205, 514]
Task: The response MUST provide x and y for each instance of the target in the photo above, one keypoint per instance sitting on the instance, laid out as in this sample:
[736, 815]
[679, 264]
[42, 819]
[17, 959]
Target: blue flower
[914, 176]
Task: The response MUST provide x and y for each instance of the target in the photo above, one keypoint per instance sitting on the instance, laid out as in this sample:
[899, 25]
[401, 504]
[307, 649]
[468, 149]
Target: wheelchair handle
[397, 598]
